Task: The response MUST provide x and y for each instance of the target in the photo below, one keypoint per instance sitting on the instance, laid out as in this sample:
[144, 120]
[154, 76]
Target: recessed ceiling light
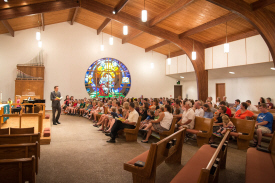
[272, 68]
[114, 12]
[181, 77]
[6, 1]
[232, 72]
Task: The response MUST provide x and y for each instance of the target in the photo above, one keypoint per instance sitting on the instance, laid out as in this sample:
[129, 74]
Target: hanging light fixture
[226, 45]
[111, 39]
[169, 59]
[102, 45]
[152, 64]
[144, 14]
[125, 30]
[38, 34]
[194, 54]
[40, 44]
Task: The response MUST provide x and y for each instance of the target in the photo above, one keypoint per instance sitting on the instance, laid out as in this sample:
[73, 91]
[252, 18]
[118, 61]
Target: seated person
[162, 124]
[207, 112]
[227, 124]
[81, 108]
[211, 106]
[263, 124]
[9, 101]
[112, 119]
[150, 117]
[268, 103]
[228, 111]
[188, 117]
[198, 110]
[99, 110]
[237, 105]
[88, 109]
[130, 122]
[251, 107]
[177, 106]
[242, 113]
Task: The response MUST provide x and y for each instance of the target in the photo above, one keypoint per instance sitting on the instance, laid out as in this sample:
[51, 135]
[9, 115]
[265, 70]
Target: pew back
[22, 130]
[169, 132]
[17, 170]
[203, 124]
[4, 131]
[16, 151]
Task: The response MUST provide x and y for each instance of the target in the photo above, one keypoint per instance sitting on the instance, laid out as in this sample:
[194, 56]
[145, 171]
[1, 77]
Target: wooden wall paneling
[35, 71]
[219, 57]
[24, 86]
[262, 20]
[59, 16]
[25, 22]
[237, 53]
[134, 34]
[8, 27]
[257, 50]
[89, 18]
[3, 29]
[208, 58]
[195, 14]
[182, 63]
[169, 11]
[36, 8]
[212, 23]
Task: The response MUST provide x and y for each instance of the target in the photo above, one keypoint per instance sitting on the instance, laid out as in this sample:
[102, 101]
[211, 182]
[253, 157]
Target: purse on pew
[263, 149]
[140, 164]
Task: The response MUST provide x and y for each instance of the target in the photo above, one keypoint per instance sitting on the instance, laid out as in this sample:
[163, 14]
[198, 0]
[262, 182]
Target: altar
[4, 109]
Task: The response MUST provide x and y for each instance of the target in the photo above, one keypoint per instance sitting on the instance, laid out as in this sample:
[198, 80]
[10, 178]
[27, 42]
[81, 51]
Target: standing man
[55, 97]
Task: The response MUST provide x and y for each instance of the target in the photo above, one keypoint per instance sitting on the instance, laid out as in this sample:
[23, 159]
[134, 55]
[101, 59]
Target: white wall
[246, 88]
[69, 51]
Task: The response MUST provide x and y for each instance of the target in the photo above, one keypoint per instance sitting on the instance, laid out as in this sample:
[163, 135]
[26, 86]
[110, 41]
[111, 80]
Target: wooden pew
[5, 131]
[17, 170]
[202, 124]
[204, 166]
[21, 130]
[16, 151]
[131, 134]
[20, 138]
[165, 134]
[243, 126]
[168, 150]
[260, 166]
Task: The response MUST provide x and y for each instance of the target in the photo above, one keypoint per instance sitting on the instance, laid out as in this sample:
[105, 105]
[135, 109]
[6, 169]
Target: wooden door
[220, 90]
[177, 91]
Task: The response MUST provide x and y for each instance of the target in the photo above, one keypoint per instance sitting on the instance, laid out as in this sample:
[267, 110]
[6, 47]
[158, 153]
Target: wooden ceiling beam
[103, 25]
[176, 54]
[165, 42]
[42, 21]
[234, 38]
[169, 11]
[117, 9]
[131, 36]
[208, 25]
[261, 4]
[8, 27]
[120, 5]
[74, 16]
[37, 8]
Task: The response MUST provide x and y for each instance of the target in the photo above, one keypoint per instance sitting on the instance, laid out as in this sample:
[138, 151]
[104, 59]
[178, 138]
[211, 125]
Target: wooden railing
[39, 115]
[30, 104]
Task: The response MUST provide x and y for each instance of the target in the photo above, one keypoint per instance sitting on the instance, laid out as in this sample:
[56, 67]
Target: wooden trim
[8, 27]
[212, 57]
[234, 38]
[212, 23]
[131, 36]
[75, 13]
[157, 45]
[261, 4]
[103, 25]
[177, 53]
[30, 9]
[169, 11]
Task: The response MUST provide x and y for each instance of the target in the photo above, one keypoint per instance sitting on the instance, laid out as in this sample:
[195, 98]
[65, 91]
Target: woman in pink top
[18, 101]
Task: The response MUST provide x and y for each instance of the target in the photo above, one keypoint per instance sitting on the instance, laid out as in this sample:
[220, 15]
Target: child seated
[150, 117]
[227, 124]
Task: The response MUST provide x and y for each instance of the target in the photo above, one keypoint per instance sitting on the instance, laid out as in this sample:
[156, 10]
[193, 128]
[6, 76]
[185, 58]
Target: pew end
[132, 134]
[165, 134]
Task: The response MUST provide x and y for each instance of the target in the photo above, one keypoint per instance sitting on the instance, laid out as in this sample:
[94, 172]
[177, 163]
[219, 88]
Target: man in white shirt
[128, 123]
[188, 117]
[251, 107]
[198, 110]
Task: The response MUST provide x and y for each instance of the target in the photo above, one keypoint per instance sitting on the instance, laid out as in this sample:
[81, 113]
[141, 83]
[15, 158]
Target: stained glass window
[107, 77]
